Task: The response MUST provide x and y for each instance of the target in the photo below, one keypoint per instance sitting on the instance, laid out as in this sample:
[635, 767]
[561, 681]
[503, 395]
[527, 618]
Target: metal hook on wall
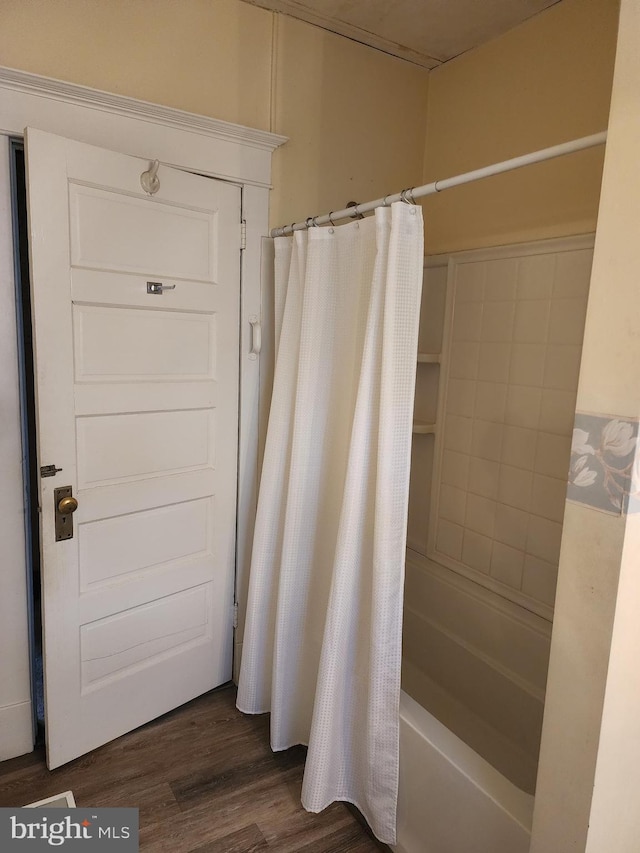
[149, 180]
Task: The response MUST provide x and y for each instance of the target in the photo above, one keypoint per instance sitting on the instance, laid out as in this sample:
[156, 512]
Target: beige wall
[356, 117]
[587, 794]
[545, 82]
[207, 56]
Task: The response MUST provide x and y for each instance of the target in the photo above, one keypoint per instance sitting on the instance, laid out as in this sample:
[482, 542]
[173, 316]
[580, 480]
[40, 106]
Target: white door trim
[16, 735]
[187, 141]
[211, 146]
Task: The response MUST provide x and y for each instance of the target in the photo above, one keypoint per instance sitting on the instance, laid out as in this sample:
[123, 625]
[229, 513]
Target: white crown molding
[72, 93]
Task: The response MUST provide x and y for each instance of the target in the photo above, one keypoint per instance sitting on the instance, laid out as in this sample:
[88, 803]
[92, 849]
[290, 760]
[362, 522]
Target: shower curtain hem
[388, 839]
[353, 802]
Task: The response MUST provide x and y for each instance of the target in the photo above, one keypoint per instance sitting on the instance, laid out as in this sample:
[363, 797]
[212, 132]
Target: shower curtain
[322, 641]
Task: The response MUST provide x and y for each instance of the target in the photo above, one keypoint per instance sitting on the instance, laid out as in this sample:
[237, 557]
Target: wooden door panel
[132, 639]
[152, 237]
[162, 580]
[138, 344]
[134, 496]
[103, 287]
[128, 446]
[138, 404]
[107, 398]
[128, 544]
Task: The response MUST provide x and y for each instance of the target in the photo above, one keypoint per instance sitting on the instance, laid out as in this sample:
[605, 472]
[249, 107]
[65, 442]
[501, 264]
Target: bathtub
[450, 799]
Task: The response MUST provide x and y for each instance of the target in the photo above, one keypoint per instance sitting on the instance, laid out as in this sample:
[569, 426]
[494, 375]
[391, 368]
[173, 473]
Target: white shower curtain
[322, 642]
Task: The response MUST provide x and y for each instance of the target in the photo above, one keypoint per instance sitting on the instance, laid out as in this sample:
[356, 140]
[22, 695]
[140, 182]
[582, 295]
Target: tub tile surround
[513, 336]
[478, 663]
[461, 636]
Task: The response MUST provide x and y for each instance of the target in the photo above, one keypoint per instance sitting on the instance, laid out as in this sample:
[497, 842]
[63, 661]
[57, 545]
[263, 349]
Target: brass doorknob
[67, 506]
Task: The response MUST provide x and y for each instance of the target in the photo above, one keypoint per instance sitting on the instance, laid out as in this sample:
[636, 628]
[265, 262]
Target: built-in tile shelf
[423, 428]
[428, 358]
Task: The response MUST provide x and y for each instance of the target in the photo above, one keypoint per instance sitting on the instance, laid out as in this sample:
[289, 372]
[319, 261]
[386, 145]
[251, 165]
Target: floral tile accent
[603, 461]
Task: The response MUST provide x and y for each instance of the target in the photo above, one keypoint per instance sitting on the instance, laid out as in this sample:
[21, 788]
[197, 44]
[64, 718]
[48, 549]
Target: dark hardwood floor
[205, 781]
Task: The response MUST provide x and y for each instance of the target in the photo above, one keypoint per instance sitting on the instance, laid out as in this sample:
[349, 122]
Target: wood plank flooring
[205, 781]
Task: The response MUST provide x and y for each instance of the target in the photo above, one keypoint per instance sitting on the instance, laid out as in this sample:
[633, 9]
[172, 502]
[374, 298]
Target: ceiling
[426, 32]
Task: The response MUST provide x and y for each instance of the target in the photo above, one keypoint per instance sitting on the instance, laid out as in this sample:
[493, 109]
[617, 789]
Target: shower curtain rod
[409, 195]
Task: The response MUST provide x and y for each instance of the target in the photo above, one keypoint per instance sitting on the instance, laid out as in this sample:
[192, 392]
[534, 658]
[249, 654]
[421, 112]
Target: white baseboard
[16, 730]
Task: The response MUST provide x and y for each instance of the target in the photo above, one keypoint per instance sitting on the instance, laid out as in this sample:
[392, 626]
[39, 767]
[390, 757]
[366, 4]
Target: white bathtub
[451, 800]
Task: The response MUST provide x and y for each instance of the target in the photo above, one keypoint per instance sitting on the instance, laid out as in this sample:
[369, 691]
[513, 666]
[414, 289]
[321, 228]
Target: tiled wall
[509, 374]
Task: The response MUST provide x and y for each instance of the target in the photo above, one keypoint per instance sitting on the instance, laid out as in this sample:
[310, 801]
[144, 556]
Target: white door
[137, 397]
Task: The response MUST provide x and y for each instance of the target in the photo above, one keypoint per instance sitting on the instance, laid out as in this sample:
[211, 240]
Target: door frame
[194, 143]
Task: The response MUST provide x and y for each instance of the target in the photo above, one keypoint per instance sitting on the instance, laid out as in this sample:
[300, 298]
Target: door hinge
[235, 614]
[243, 234]
[49, 471]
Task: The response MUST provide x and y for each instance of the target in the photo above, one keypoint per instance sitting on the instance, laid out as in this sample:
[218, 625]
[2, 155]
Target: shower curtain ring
[407, 196]
[356, 213]
[309, 222]
[330, 219]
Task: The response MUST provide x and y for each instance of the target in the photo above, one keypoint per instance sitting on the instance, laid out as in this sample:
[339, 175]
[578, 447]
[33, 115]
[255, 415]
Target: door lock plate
[64, 510]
